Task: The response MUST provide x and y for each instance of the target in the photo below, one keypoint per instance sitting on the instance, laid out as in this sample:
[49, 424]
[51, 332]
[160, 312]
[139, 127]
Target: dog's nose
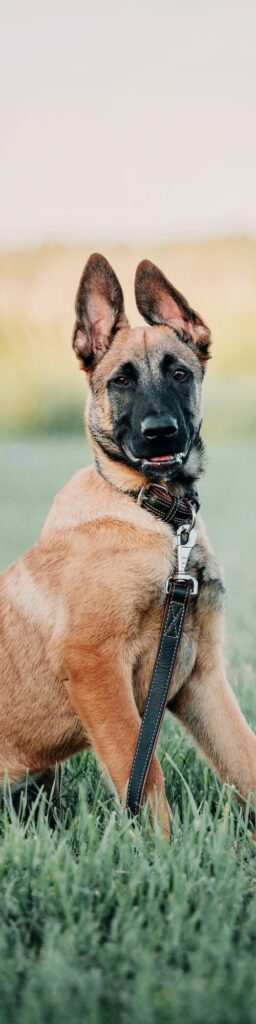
[159, 427]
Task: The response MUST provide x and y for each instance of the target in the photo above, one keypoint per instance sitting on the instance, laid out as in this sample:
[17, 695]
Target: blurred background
[130, 130]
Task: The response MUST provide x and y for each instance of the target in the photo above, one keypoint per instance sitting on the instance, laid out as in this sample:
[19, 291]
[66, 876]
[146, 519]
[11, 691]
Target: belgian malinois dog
[81, 610]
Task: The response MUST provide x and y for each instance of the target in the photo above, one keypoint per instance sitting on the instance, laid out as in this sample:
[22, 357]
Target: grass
[101, 920]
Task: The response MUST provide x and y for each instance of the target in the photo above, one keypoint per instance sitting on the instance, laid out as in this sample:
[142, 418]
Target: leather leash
[179, 513]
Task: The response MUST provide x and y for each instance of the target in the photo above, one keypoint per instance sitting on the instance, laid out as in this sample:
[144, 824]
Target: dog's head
[144, 412]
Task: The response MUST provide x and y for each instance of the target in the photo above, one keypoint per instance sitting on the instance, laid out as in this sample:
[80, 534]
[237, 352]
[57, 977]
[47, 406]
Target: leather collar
[156, 498]
[169, 508]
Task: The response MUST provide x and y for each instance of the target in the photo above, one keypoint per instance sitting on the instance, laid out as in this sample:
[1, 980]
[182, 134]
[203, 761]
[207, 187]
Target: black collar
[156, 498]
[175, 511]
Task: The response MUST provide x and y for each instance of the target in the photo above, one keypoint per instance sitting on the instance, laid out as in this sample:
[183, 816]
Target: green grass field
[102, 921]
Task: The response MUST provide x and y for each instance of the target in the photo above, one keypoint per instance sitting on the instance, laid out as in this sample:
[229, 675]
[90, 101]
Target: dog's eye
[121, 380]
[180, 374]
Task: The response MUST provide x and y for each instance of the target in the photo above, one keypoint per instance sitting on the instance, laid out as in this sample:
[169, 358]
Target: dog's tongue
[161, 458]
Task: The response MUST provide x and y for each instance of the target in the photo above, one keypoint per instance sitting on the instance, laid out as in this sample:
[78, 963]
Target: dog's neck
[129, 481]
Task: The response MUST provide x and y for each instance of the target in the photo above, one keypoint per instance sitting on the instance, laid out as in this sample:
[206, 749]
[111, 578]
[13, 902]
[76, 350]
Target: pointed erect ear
[160, 303]
[99, 311]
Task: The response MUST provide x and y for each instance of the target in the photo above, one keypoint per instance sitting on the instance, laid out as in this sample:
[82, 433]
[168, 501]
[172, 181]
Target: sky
[127, 122]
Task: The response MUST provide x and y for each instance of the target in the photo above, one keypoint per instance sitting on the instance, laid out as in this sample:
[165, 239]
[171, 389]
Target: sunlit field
[102, 921]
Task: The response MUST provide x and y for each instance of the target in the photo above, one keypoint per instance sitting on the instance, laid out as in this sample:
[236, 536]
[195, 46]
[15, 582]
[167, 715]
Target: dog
[81, 611]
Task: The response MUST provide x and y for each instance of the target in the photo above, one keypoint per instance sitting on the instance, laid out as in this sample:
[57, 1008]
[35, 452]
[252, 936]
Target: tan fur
[80, 618]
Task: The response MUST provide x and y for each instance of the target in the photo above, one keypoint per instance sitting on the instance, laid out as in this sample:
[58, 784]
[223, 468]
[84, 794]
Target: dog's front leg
[100, 688]
[207, 707]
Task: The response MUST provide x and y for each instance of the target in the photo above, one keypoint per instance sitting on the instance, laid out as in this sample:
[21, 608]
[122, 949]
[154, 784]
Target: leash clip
[184, 542]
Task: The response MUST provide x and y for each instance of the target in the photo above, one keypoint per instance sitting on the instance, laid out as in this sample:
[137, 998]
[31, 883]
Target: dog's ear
[160, 303]
[99, 311]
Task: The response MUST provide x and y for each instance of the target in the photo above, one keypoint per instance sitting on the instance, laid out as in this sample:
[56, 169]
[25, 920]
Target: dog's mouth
[162, 461]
